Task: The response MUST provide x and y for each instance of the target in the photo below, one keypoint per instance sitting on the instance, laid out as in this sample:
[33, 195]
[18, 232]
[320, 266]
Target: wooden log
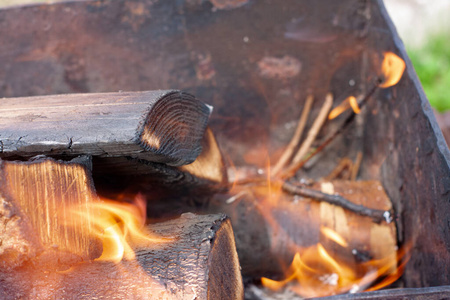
[35, 198]
[200, 263]
[157, 126]
[206, 175]
[270, 230]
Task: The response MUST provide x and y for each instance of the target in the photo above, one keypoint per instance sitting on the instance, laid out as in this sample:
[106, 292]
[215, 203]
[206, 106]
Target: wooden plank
[157, 126]
[200, 263]
[36, 198]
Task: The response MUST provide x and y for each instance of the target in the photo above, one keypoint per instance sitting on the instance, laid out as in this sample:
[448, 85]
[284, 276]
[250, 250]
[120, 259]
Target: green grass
[432, 64]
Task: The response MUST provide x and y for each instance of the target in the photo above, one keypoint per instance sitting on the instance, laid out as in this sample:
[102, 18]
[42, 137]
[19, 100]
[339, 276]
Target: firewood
[200, 263]
[206, 175]
[269, 231]
[314, 131]
[35, 197]
[287, 154]
[157, 126]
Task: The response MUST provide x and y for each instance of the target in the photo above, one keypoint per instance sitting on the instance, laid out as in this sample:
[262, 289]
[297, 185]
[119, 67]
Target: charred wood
[199, 263]
[206, 175]
[270, 230]
[157, 126]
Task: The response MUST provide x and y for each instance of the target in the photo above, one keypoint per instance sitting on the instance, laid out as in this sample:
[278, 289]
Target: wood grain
[36, 198]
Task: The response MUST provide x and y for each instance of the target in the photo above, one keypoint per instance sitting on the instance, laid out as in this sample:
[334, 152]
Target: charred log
[157, 126]
[206, 175]
[200, 262]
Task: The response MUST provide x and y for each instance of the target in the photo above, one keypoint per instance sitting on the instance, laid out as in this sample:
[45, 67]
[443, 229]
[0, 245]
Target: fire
[392, 69]
[119, 226]
[349, 102]
[314, 272]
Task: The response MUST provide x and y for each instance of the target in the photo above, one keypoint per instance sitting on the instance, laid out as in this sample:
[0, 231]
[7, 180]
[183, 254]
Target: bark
[199, 262]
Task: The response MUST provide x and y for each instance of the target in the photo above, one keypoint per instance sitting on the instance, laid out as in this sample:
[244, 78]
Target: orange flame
[392, 69]
[119, 226]
[349, 102]
[334, 236]
[315, 273]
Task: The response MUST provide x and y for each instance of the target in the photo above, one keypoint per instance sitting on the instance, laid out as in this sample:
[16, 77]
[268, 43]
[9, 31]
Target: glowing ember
[392, 69]
[118, 225]
[334, 236]
[354, 104]
[349, 102]
[314, 272]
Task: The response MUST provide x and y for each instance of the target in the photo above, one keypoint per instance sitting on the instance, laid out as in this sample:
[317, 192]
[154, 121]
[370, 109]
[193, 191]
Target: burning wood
[200, 262]
[392, 71]
[271, 226]
[206, 175]
[36, 199]
[156, 126]
[256, 72]
[54, 210]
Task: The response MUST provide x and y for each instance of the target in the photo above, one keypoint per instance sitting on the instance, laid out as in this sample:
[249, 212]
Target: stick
[289, 172]
[343, 164]
[287, 154]
[356, 166]
[376, 215]
[317, 125]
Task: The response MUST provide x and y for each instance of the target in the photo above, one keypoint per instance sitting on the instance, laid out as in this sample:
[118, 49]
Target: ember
[318, 273]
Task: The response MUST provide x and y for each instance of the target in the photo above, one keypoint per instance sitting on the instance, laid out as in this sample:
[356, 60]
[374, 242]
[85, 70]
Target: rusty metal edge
[429, 293]
[441, 143]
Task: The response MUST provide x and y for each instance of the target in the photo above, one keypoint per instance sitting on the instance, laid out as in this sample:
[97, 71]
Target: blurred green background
[432, 64]
[424, 27]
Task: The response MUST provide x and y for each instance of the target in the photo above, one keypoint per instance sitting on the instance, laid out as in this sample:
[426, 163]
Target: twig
[356, 166]
[289, 172]
[287, 154]
[250, 181]
[344, 163]
[317, 125]
[376, 214]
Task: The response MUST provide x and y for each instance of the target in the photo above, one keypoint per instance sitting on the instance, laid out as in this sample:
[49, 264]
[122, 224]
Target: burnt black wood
[157, 126]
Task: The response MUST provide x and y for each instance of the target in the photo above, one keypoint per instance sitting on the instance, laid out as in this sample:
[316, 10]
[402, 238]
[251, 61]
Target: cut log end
[224, 278]
[174, 128]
